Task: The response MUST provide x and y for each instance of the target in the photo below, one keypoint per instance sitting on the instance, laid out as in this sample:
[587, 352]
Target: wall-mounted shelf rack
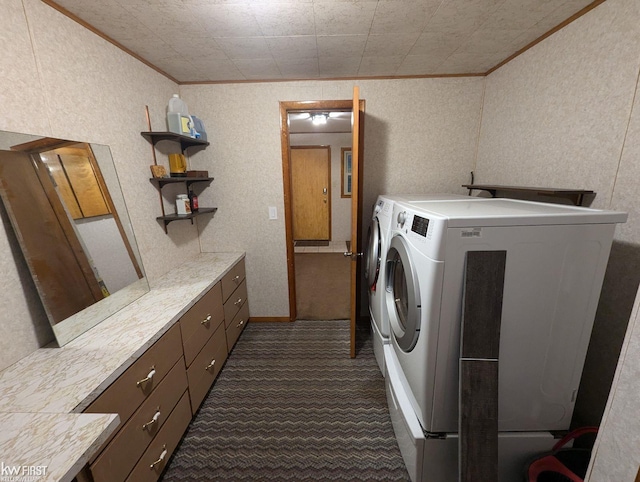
[576, 196]
[160, 182]
[185, 141]
[163, 181]
[179, 217]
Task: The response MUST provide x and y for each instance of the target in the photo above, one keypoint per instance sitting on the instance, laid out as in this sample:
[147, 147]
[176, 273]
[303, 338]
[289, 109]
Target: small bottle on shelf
[193, 201]
[183, 206]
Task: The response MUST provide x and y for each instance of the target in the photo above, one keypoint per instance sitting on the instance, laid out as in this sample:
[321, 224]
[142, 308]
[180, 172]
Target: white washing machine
[375, 261]
[556, 259]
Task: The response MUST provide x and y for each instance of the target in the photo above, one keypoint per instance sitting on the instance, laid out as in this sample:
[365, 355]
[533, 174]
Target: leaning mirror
[66, 208]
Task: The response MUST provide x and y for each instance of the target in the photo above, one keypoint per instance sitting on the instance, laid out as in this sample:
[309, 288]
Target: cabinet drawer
[165, 443]
[237, 325]
[121, 455]
[232, 279]
[201, 373]
[126, 394]
[201, 321]
[235, 301]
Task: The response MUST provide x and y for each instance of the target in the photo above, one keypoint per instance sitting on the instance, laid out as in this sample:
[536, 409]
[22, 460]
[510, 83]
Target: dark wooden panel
[479, 352]
[478, 421]
[482, 313]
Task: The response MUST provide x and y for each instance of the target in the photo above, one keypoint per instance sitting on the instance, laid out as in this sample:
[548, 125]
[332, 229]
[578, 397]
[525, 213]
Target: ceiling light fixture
[319, 119]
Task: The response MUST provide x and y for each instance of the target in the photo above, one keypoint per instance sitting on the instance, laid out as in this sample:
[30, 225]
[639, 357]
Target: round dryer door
[372, 260]
[402, 295]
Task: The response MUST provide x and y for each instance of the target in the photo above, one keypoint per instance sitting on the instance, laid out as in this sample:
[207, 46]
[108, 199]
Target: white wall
[340, 206]
[420, 135]
[563, 115]
[60, 80]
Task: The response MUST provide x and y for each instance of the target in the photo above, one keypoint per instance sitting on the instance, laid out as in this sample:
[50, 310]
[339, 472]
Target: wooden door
[311, 192]
[357, 146]
[60, 268]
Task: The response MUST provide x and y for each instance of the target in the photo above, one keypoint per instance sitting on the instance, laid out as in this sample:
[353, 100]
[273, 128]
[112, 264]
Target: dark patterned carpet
[290, 405]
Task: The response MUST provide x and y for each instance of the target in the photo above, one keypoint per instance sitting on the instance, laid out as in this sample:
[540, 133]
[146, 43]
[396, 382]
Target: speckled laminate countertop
[42, 395]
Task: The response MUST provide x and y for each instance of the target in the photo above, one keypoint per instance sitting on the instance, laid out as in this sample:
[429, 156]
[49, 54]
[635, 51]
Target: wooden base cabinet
[157, 396]
[236, 304]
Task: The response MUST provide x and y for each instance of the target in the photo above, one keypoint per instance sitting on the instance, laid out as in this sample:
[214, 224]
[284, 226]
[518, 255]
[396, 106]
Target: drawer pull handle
[236, 279]
[153, 420]
[161, 458]
[148, 378]
[240, 324]
[239, 302]
[210, 365]
[206, 320]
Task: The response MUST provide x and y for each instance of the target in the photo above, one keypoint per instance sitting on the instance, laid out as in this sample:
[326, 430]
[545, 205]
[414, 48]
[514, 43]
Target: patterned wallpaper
[61, 80]
[420, 136]
[563, 115]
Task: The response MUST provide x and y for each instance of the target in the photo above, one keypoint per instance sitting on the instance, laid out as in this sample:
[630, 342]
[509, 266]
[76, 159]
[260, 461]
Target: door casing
[356, 213]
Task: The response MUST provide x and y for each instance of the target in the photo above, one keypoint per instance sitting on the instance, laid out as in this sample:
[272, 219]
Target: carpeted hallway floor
[290, 405]
[323, 284]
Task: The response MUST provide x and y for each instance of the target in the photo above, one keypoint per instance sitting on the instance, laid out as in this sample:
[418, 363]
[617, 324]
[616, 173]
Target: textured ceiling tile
[341, 45]
[390, 44]
[220, 70]
[284, 19]
[343, 18]
[429, 31]
[412, 17]
[419, 64]
[379, 65]
[292, 47]
[489, 41]
[299, 68]
[462, 16]
[235, 20]
[258, 68]
[339, 66]
[437, 42]
[513, 18]
[245, 48]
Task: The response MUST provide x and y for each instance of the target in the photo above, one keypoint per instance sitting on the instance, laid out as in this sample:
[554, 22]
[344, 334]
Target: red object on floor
[562, 464]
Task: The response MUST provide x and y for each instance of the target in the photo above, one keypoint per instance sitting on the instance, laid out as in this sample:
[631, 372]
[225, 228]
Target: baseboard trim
[261, 319]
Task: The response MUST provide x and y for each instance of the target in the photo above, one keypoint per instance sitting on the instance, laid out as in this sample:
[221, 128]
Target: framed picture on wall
[346, 172]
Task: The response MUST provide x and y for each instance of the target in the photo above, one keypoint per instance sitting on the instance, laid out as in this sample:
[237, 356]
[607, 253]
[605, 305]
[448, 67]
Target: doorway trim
[285, 108]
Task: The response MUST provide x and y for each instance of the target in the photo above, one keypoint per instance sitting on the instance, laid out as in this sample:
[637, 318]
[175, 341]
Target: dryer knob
[377, 209]
[402, 218]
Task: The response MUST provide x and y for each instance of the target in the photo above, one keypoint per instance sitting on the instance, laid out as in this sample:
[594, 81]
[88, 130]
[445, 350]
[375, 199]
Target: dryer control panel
[420, 225]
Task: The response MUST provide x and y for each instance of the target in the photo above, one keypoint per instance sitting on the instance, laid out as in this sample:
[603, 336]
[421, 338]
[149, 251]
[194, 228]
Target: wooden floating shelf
[574, 195]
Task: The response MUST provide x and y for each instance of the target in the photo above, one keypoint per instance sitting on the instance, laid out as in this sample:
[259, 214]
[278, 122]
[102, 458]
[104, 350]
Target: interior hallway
[323, 282]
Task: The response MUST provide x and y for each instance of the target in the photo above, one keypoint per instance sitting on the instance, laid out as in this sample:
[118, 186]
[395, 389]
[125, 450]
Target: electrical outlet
[273, 212]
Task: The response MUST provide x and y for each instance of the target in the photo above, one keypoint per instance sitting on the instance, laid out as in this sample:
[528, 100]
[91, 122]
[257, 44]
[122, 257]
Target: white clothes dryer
[375, 261]
[556, 259]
